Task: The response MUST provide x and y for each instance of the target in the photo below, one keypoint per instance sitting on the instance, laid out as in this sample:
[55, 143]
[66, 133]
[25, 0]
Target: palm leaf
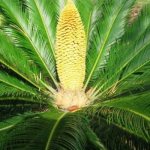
[140, 24]
[132, 33]
[11, 107]
[13, 89]
[130, 113]
[50, 130]
[93, 140]
[10, 56]
[34, 41]
[12, 81]
[118, 55]
[44, 14]
[14, 101]
[10, 123]
[110, 28]
[9, 90]
[114, 137]
[120, 68]
[1, 20]
[140, 81]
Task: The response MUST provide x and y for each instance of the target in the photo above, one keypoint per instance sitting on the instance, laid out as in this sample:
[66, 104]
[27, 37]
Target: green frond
[5, 89]
[10, 94]
[132, 33]
[94, 141]
[125, 59]
[12, 106]
[140, 25]
[140, 81]
[14, 89]
[10, 56]
[117, 70]
[130, 113]
[1, 19]
[20, 108]
[41, 75]
[49, 130]
[14, 82]
[114, 137]
[108, 29]
[29, 32]
[17, 61]
[9, 124]
[44, 14]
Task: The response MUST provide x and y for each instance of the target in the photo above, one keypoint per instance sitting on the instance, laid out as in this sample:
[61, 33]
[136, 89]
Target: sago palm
[74, 75]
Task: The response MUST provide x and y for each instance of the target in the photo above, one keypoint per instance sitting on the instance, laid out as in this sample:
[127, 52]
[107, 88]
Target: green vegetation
[116, 85]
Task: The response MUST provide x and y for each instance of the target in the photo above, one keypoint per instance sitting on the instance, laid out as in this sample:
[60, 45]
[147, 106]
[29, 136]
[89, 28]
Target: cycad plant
[74, 75]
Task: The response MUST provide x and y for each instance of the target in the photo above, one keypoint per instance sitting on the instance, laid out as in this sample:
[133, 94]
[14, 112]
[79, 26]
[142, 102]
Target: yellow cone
[70, 49]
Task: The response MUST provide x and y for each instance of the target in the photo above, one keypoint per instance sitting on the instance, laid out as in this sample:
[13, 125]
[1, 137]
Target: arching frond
[13, 108]
[94, 141]
[44, 14]
[10, 56]
[50, 130]
[1, 19]
[140, 25]
[14, 89]
[140, 81]
[5, 89]
[114, 137]
[9, 124]
[117, 75]
[14, 82]
[107, 30]
[9, 94]
[125, 59]
[26, 28]
[131, 113]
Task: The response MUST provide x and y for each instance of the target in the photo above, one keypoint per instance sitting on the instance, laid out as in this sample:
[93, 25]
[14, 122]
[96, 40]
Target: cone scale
[70, 58]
